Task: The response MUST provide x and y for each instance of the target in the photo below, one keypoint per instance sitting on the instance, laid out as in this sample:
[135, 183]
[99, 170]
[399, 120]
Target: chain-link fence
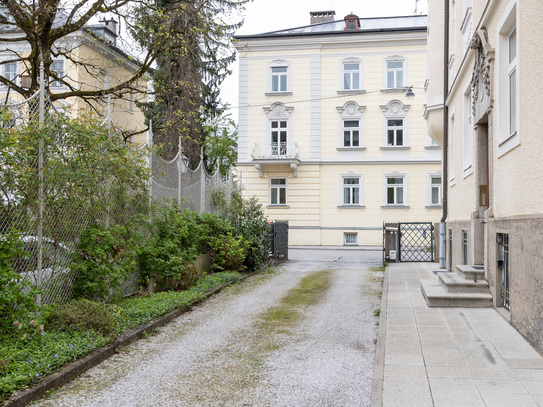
[39, 179]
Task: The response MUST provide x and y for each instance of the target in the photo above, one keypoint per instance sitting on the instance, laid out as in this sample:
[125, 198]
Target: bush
[228, 252]
[106, 257]
[19, 314]
[83, 315]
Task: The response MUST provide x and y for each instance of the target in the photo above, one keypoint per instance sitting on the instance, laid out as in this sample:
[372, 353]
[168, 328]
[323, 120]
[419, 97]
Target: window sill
[278, 93]
[394, 90]
[395, 148]
[351, 92]
[278, 206]
[436, 147]
[433, 206]
[351, 206]
[395, 206]
[351, 148]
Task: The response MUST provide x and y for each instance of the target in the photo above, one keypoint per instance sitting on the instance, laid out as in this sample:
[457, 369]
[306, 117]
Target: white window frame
[351, 111]
[60, 73]
[278, 112]
[351, 188]
[386, 187]
[508, 119]
[432, 187]
[395, 129]
[131, 102]
[403, 69]
[102, 80]
[278, 188]
[452, 141]
[467, 141]
[395, 110]
[279, 64]
[12, 74]
[351, 72]
[350, 238]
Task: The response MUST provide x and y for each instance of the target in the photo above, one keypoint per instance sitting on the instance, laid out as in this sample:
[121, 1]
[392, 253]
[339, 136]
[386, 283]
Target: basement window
[350, 239]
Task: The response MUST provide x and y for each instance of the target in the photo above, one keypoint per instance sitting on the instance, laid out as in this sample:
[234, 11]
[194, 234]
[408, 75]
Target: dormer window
[352, 22]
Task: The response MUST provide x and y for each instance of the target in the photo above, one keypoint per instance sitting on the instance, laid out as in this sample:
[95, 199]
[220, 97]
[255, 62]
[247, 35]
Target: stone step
[436, 295]
[474, 273]
[457, 283]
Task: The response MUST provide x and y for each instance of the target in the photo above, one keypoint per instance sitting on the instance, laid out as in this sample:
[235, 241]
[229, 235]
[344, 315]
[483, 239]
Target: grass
[22, 363]
[244, 358]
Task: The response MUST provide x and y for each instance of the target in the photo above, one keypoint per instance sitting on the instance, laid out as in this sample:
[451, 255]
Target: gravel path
[214, 356]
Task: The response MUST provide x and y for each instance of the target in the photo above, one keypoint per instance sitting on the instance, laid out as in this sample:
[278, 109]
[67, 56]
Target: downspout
[445, 137]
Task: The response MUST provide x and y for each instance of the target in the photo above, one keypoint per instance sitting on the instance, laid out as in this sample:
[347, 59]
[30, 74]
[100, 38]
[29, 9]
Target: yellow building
[89, 60]
[331, 137]
[489, 78]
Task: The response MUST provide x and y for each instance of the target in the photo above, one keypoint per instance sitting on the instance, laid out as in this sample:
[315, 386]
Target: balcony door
[279, 137]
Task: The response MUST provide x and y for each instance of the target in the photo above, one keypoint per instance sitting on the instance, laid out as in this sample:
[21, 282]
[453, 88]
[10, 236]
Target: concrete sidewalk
[465, 357]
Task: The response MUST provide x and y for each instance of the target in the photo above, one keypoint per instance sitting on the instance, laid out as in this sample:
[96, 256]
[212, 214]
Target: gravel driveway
[215, 355]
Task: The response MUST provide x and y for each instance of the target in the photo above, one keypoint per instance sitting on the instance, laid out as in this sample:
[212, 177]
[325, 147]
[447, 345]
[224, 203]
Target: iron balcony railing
[283, 150]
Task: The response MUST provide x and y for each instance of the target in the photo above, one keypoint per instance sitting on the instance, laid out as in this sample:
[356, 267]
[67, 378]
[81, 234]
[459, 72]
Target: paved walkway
[443, 357]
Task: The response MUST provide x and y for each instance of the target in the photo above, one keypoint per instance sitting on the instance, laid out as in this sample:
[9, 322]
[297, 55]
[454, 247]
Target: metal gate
[279, 240]
[416, 242]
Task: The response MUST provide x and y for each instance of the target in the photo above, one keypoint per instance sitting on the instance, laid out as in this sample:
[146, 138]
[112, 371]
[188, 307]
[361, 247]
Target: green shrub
[83, 315]
[19, 314]
[105, 258]
[228, 252]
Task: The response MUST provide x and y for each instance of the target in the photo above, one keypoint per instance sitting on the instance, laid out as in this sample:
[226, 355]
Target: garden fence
[51, 224]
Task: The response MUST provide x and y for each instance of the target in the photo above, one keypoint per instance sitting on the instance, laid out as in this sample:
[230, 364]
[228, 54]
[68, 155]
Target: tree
[190, 72]
[220, 145]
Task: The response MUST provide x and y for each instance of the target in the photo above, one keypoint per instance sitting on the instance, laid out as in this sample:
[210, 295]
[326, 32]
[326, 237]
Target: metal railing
[282, 150]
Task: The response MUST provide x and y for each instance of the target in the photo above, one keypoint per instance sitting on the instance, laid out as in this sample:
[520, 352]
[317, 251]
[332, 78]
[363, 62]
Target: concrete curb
[379, 364]
[73, 369]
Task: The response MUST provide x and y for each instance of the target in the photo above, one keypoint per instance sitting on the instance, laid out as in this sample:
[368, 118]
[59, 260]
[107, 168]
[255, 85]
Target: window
[508, 80]
[395, 124]
[351, 75]
[57, 67]
[279, 132]
[512, 74]
[395, 189]
[102, 80]
[131, 102]
[278, 191]
[351, 125]
[452, 140]
[351, 190]
[279, 76]
[434, 190]
[467, 157]
[9, 71]
[350, 238]
[395, 132]
[351, 133]
[394, 74]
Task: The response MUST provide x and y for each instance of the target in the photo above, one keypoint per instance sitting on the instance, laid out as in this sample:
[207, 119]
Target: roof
[367, 25]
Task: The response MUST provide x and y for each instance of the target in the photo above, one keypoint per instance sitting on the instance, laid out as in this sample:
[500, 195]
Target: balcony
[275, 153]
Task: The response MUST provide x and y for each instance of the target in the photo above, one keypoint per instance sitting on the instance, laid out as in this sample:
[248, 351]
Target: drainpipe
[445, 136]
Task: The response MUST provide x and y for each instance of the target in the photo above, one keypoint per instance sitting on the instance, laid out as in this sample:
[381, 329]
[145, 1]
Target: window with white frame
[351, 133]
[467, 145]
[351, 125]
[351, 190]
[278, 79]
[279, 137]
[9, 71]
[130, 101]
[395, 132]
[395, 73]
[452, 141]
[57, 67]
[278, 191]
[102, 80]
[351, 75]
[508, 80]
[395, 124]
[434, 189]
[278, 129]
[395, 189]
[350, 238]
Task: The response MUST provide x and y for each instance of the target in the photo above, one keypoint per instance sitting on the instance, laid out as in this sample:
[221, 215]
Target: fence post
[40, 180]
[150, 161]
[108, 182]
[180, 173]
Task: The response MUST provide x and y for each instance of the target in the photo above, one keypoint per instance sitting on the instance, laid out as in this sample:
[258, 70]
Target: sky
[269, 15]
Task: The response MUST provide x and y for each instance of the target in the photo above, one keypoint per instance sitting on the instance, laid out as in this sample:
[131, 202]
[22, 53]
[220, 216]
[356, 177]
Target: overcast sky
[269, 15]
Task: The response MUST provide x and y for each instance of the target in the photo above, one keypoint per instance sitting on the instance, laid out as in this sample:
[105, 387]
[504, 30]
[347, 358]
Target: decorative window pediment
[351, 109]
[278, 110]
[395, 108]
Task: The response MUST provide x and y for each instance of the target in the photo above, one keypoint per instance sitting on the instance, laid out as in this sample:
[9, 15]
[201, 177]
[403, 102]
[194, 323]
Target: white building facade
[330, 137]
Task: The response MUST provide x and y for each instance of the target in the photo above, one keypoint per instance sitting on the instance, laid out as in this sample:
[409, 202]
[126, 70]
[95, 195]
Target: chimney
[111, 25]
[321, 16]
